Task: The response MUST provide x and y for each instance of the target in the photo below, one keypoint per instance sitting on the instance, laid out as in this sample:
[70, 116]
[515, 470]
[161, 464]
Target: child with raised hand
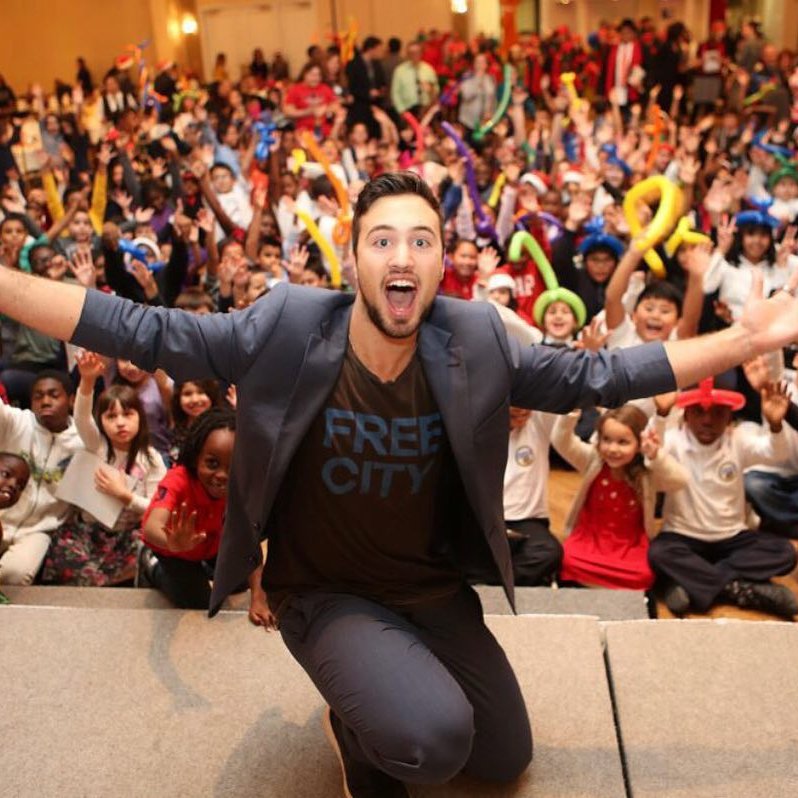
[183, 524]
[660, 312]
[705, 552]
[612, 517]
[85, 551]
[747, 244]
[155, 394]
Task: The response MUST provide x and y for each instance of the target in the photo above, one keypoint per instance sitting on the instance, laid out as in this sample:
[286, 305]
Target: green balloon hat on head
[523, 241]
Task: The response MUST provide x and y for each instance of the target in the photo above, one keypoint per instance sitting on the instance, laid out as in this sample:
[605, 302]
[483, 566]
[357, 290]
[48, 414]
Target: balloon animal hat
[524, 242]
[707, 395]
[597, 238]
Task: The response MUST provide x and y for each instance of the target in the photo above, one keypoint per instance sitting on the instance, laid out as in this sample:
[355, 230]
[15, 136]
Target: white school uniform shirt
[736, 282]
[625, 335]
[711, 506]
[526, 477]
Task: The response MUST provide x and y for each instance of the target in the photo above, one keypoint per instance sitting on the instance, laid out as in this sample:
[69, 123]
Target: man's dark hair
[370, 42]
[394, 45]
[627, 23]
[661, 289]
[392, 184]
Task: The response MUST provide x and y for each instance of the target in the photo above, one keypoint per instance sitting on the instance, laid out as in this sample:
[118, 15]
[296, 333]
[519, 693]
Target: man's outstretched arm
[766, 325]
[51, 307]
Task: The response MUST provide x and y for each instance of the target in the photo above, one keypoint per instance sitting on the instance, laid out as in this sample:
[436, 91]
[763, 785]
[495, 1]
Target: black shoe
[763, 596]
[676, 599]
[360, 780]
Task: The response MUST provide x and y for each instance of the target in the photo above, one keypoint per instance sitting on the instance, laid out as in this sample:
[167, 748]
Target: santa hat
[539, 181]
[572, 175]
[164, 64]
[123, 61]
[501, 280]
[706, 395]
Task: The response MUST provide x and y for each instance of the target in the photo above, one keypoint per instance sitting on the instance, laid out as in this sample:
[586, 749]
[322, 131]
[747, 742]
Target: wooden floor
[563, 486]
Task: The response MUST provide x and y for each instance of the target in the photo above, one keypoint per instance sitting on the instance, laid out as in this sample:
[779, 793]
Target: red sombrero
[707, 395]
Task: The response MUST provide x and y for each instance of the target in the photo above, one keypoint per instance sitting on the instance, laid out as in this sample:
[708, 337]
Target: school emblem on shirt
[524, 456]
[727, 471]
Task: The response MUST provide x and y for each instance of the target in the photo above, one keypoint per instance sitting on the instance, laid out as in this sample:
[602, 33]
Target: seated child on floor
[705, 553]
[14, 475]
[536, 553]
[183, 524]
[612, 517]
[84, 551]
[47, 438]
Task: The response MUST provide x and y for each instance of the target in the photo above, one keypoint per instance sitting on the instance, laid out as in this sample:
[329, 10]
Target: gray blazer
[284, 354]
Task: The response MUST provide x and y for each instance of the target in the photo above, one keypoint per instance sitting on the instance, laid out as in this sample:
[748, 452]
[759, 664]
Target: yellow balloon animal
[649, 190]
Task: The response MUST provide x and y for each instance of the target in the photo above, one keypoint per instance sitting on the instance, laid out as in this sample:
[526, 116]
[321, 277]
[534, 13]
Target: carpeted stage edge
[143, 701]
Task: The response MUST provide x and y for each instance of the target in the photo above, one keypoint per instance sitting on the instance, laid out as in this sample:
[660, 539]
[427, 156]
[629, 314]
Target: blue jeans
[775, 499]
[423, 692]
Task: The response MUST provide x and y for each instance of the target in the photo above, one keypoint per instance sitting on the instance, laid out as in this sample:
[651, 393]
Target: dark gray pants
[423, 693]
[704, 568]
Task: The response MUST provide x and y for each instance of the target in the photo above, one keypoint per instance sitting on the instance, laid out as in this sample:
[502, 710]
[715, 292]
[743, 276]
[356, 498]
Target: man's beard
[394, 332]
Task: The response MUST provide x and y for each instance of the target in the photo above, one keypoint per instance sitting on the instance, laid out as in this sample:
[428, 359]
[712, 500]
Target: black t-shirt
[364, 495]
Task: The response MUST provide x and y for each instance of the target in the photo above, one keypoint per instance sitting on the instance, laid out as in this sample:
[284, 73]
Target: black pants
[704, 568]
[536, 555]
[185, 583]
[423, 693]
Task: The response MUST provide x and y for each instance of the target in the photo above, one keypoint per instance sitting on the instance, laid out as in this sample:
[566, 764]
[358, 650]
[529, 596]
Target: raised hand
[57, 267]
[82, 268]
[143, 215]
[181, 530]
[726, 231]
[757, 372]
[650, 443]
[90, 365]
[295, 265]
[487, 261]
[696, 261]
[591, 337]
[775, 403]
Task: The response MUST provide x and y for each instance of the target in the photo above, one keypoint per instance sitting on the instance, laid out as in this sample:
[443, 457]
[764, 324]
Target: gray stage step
[707, 709]
[99, 702]
[607, 605]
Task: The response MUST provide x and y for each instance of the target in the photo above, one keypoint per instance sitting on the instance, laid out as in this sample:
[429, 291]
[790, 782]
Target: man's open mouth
[401, 296]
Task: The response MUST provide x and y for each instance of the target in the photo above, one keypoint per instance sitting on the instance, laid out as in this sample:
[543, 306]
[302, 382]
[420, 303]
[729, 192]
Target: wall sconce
[189, 25]
[459, 6]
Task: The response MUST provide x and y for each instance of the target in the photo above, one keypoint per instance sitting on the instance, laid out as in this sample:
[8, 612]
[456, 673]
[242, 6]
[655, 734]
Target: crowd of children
[203, 197]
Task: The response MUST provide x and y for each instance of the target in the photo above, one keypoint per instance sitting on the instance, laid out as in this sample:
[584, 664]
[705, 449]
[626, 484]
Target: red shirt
[454, 285]
[179, 486]
[302, 97]
[528, 286]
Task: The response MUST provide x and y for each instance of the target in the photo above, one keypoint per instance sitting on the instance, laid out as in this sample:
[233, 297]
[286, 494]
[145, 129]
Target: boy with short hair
[705, 549]
[46, 437]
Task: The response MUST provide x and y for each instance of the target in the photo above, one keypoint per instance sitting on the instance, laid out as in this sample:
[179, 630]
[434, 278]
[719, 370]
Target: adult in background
[367, 85]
